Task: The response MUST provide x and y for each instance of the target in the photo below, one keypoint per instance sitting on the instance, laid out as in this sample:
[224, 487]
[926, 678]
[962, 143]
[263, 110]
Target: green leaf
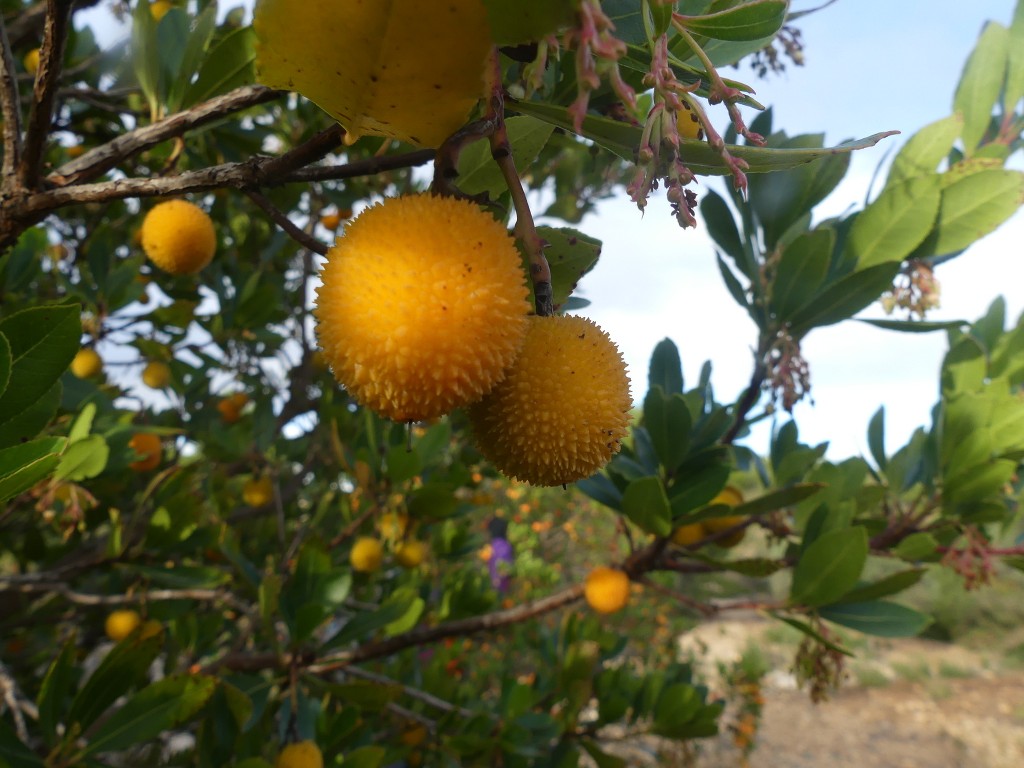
[880, 618]
[623, 138]
[55, 691]
[13, 752]
[146, 55]
[365, 757]
[196, 43]
[522, 21]
[22, 466]
[895, 223]
[913, 326]
[432, 501]
[229, 65]
[570, 254]
[844, 298]
[923, 152]
[43, 341]
[666, 369]
[159, 707]
[784, 497]
[83, 423]
[876, 438]
[601, 758]
[366, 695]
[479, 173]
[1014, 87]
[890, 585]
[403, 464]
[646, 504]
[677, 705]
[916, 546]
[412, 614]
[972, 207]
[981, 83]
[722, 226]
[830, 567]
[801, 271]
[83, 459]
[748, 21]
[667, 420]
[5, 363]
[808, 630]
[122, 668]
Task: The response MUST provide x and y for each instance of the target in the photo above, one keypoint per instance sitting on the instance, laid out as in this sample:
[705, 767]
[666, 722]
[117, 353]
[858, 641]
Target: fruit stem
[525, 229]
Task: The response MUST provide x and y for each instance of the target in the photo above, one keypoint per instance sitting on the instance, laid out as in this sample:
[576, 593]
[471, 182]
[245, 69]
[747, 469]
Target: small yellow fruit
[87, 364]
[75, 150]
[392, 525]
[729, 496]
[303, 754]
[606, 589]
[179, 237]
[414, 735]
[148, 446]
[562, 410]
[367, 554]
[688, 535]
[151, 628]
[230, 407]
[159, 8]
[122, 623]
[258, 492]
[423, 306]
[331, 220]
[156, 375]
[31, 61]
[410, 554]
[688, 124]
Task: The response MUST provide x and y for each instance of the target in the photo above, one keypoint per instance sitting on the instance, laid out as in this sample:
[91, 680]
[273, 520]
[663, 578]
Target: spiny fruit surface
[303, 754]
[408, 69]
[606, 589]
[179, 237]
[367, 554]
[120, 624]
[423, 306]
[257, 492]
[563, 408]
[148, 446]
[156, 375]
[86, 364]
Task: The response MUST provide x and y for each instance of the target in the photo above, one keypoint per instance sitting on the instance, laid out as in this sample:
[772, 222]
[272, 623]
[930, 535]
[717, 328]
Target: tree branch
[295, 232]
[106, 156]
[40, 116]
[10, 108]
[150, 596]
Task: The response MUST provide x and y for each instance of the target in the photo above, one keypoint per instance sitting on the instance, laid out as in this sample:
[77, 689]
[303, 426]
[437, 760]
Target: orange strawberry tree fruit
[393, 499]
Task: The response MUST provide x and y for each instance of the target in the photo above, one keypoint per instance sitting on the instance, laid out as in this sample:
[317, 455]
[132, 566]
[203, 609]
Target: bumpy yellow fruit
[410, 554]
[120, 624]
[606, 589]
[562, 410]
[303, 754]
[179, 237]
[87, 364]
[156, 375]
[423, 306]
[731, 497]
[688, 124]
[31, 61]
[688, 535]
[367, 554]
[257, 492]
[408, 69]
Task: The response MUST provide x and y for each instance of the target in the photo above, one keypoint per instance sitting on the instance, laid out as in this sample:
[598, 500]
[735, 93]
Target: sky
[871, 66]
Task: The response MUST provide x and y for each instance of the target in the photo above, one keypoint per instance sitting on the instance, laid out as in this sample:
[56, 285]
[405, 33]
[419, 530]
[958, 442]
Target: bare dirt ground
[905, 704]
[909, 703]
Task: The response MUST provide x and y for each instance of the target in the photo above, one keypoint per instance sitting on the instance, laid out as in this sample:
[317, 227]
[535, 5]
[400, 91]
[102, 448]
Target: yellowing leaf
[406, 69]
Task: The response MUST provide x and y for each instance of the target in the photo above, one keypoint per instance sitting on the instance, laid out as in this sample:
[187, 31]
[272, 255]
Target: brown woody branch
[294, 231]
[10, 108]
[106, 156]
[137, 598]
[40, 116]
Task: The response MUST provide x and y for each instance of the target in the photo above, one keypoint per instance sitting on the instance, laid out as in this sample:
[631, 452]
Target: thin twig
[413, 693]
[40, 115]
[137, 598]
[295, 232]
[100, 159]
